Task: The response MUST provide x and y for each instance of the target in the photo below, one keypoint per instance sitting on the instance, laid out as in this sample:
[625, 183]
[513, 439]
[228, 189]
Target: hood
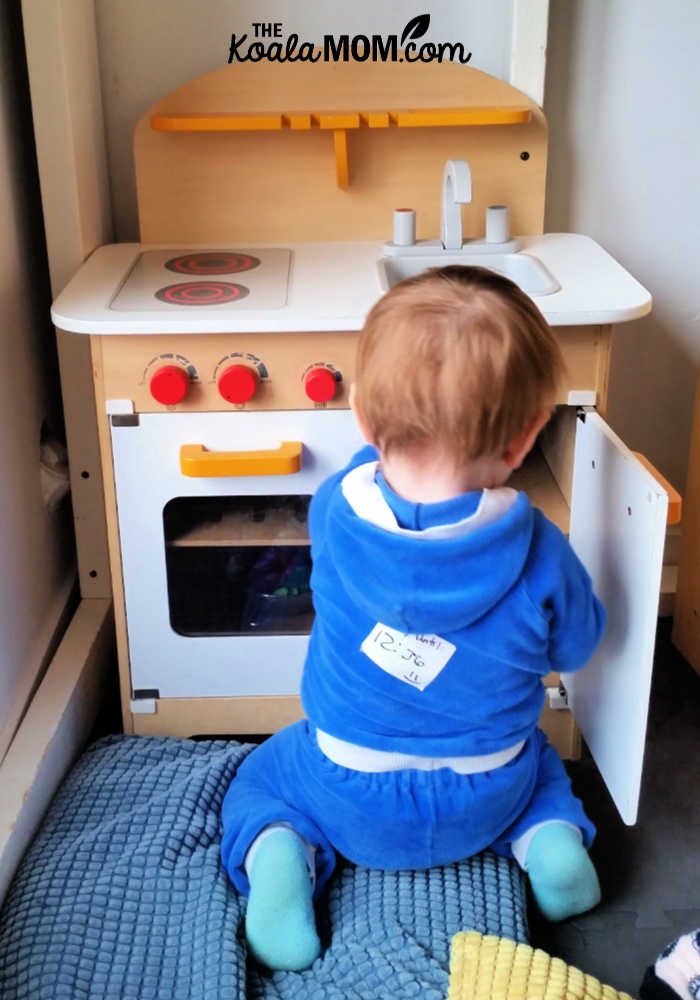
[438, 580]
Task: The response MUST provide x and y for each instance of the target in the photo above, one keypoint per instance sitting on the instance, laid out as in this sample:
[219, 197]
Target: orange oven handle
[196, 460]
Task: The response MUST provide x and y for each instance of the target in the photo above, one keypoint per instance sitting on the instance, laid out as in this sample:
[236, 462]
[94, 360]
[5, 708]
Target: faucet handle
[497, 224]
[404, 227]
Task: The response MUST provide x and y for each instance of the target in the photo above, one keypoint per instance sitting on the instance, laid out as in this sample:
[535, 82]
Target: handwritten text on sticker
[414, 659]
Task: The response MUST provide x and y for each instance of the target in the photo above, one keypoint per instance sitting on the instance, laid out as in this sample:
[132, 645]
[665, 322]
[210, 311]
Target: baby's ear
[359, 416]
[517, 450]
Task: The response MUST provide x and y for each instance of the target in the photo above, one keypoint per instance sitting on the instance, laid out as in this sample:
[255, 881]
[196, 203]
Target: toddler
[442, 599]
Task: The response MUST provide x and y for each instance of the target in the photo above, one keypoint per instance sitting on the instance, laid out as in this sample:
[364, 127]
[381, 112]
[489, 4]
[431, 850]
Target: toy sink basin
[525, 270]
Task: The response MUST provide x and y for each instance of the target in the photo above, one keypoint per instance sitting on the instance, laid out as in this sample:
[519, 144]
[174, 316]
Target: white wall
[148, 49]
[622, 98]
[35, 546]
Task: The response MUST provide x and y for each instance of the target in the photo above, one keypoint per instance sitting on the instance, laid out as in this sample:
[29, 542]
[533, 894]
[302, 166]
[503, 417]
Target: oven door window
[238, 565]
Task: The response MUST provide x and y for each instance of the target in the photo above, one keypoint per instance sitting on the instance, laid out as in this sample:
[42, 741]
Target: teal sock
[562, 876]
[280, 922]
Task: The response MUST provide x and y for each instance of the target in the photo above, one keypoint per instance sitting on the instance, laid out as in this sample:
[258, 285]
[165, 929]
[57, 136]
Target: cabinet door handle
[196, 460]
[675, 501]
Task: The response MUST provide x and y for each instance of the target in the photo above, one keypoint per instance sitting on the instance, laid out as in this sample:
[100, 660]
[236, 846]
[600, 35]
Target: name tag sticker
[414, 659]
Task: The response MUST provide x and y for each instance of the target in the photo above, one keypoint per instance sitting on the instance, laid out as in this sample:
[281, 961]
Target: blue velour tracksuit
[515, 602]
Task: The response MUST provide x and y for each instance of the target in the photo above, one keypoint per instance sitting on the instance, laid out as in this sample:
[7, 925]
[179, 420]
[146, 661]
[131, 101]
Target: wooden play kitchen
[223, 347]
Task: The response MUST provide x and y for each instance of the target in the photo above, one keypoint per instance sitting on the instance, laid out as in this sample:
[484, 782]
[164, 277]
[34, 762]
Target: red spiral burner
[212, 262]
[201, 293]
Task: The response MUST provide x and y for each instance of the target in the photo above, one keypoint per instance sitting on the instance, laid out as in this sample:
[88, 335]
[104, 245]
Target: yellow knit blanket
[494, 968]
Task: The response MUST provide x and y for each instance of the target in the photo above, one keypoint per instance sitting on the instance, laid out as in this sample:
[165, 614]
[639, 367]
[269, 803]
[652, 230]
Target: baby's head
[457, 361]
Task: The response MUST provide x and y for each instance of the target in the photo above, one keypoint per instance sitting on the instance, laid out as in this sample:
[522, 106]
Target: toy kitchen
[222, 350]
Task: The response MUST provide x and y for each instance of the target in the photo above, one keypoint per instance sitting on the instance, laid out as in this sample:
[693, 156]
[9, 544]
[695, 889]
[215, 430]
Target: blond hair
[458, 358]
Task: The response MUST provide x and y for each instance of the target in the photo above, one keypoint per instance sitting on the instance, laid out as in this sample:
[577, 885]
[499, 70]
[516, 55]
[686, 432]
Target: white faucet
[456, 191]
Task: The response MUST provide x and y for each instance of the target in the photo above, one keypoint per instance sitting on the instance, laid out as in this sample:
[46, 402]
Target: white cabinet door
[618, 527]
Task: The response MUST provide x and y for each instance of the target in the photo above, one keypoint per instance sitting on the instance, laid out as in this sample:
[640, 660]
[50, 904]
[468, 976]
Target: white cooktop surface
[200, 280]
[331, 286]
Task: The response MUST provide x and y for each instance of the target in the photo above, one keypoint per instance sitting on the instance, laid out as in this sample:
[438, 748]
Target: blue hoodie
[511, 596]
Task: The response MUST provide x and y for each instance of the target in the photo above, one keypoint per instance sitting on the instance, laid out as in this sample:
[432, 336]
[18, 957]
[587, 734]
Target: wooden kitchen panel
[535, 478]
[113, 542]
[556, 441]
[128, 363]
[236, 172]
[586, 351]
[339, 122]
[187, 717]
[314, 180]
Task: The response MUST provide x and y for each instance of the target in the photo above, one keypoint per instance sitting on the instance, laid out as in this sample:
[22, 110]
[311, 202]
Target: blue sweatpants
[395, 819]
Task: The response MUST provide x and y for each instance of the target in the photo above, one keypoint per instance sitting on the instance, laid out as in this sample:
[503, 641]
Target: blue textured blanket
[122, 895]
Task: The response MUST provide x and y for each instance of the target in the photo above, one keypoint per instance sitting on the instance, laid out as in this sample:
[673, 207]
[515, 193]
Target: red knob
[320, 384]
[169, 384]
[237, 383]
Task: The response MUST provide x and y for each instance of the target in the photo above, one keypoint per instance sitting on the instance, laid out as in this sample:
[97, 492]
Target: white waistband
[371, 761]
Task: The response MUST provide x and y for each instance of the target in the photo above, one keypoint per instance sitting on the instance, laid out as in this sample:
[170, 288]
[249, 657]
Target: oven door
[215, 558]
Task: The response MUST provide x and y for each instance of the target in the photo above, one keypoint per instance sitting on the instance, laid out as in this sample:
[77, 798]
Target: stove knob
[320, 385]
[237, 383]
[169, 384]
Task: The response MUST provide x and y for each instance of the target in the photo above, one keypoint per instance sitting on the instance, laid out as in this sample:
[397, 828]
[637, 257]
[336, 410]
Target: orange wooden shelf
[427, 118]
[338, 122]
[218, 123]
[402, 117]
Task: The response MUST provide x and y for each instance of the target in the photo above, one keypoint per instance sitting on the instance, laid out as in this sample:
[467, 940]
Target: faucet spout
[456, 191]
